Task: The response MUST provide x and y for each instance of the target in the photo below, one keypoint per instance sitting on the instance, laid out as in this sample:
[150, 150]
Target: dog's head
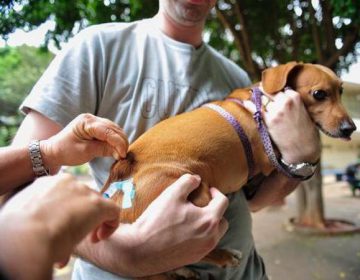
[320, 90]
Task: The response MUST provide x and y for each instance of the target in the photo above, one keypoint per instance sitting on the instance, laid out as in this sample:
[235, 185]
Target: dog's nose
[347, 127]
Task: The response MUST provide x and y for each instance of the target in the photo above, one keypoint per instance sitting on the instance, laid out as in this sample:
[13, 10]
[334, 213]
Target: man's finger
[104, 149]
[62, 263]
[107, 229]
[223, 227]
[107, 218]
[89, 127]
[110, 134]
[218, 204]
[183, 186]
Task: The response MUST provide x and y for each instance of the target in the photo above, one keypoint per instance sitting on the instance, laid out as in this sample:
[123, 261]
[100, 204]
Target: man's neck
[190, 34]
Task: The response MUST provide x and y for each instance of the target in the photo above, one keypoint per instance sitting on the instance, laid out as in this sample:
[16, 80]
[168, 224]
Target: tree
[268, 32]
[310, 205]
[20, 68]
[70, 16]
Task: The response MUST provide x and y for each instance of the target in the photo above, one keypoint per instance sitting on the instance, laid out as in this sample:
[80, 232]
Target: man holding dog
[136, 74]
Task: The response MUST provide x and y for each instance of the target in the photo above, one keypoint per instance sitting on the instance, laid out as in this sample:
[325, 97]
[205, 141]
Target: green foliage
[79, 170]
[347, 9]
[20, 68]
[69, 15]
[325, 32]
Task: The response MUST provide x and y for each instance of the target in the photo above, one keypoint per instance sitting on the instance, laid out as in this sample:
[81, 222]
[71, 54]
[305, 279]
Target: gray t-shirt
[135, 75]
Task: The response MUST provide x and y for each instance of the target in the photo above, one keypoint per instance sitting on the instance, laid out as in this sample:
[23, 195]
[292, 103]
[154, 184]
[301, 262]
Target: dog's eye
[319, 94]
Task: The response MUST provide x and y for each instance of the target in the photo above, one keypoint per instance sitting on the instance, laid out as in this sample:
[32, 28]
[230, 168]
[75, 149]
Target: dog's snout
[347, 127]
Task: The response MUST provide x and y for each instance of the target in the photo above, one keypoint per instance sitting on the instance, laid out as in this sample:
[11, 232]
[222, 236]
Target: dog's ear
[274, 79]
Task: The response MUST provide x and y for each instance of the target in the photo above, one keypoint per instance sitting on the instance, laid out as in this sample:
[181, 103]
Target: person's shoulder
[112, 29]
[228, 65]
[103, 36]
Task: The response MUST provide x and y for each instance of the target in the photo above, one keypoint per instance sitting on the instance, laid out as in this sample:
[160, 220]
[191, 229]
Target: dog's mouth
[333, 135]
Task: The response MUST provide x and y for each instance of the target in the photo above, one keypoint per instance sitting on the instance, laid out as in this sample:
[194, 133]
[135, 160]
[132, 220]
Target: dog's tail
[120, 170]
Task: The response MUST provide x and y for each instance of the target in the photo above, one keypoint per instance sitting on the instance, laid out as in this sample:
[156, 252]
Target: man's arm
[15, 160]
[83, 139]
[297, 139]
[274, 188]
[15, 163]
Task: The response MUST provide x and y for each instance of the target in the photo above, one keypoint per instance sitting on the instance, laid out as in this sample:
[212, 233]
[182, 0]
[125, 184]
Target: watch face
[304, 169]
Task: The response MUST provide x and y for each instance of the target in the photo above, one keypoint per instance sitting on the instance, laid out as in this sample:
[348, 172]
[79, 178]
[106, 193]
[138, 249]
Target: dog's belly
[197, 143]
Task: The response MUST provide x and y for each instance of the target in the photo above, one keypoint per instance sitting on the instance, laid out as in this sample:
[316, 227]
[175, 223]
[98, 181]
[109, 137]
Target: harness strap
[240, 132]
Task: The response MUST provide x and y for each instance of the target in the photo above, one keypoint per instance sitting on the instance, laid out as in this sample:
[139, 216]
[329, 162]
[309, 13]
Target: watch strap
[36, 159]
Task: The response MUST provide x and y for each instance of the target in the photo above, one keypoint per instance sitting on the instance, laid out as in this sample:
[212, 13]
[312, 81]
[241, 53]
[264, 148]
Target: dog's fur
[202, 142]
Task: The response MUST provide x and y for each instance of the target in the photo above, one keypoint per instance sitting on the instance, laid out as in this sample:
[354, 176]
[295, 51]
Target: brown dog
[202, 142]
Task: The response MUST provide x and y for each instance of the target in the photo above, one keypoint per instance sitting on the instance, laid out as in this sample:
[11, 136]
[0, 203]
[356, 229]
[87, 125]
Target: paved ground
[293, 256]
[290, 255]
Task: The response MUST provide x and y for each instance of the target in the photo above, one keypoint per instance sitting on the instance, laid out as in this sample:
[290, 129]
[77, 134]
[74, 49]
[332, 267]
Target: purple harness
[240, 132]
[265, 138]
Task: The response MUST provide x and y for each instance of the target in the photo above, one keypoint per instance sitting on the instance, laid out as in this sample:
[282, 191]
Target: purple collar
[265, 137]
[241, 133]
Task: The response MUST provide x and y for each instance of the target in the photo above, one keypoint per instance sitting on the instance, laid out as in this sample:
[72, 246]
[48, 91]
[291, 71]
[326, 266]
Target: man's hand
[297, 139]
[172, 232]
[291, 128]
[174, 229]
[83, 139]
[47, 219]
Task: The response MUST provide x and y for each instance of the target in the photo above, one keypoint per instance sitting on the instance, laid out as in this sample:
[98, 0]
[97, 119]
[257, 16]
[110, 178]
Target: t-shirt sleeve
[72, 83]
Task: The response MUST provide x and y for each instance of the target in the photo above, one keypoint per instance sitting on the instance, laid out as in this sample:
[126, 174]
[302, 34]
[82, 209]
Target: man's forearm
[16, 164]
[274, 187]
[115, 254]
[125, 255]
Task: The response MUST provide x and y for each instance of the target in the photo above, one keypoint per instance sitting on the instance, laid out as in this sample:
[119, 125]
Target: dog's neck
[262, 88]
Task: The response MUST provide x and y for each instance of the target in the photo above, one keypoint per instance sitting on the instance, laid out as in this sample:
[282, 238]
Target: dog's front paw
[183, 273]
[235, 258]
[223, 258]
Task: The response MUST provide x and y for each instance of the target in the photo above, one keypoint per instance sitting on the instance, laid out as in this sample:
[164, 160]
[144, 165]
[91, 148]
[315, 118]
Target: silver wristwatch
[36, 159]
[302, 171]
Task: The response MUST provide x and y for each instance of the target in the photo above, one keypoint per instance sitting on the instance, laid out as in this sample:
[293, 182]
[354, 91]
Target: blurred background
[255, 34]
